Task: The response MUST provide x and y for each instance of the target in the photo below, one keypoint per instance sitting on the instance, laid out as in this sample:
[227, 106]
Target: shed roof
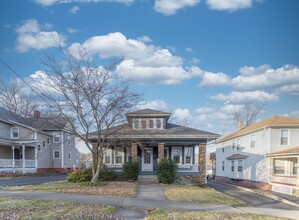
[289, 151]
[236, 157]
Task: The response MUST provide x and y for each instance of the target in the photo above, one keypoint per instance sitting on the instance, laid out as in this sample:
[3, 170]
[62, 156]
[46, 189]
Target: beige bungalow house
[147, 137]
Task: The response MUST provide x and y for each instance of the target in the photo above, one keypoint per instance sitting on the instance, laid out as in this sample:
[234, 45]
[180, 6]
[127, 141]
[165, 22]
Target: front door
[147, 159]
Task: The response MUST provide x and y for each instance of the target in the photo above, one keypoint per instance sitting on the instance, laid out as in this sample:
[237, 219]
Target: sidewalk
[284, 198]
[148, 203]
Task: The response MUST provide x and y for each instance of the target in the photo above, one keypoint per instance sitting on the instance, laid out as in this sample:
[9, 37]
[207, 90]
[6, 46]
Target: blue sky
[200, 60]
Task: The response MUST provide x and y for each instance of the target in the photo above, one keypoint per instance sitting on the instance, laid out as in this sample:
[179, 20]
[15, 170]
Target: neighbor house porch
[18, 158]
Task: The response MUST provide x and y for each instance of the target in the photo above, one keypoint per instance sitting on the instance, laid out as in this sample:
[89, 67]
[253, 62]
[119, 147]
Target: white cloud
[74, 9]
[170, 7]
[189, 49]
[243, 97]
[181, 116]
[52, 2]
[194, 61]
[229, 5]
[294, 113]
[263, 77]
[154, 104]
[203, 110]
[144, 63]
[145, 39]
[213, 79]
[30, 36]
[72, 30]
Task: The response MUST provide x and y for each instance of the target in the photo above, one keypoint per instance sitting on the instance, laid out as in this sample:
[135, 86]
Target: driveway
[30, 180]
[251, 198]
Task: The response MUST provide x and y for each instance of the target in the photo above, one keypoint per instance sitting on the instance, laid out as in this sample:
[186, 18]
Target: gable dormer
[148, 119]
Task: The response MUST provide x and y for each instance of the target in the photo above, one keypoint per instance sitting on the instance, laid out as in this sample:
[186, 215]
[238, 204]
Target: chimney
[36, 114]
[240, 124]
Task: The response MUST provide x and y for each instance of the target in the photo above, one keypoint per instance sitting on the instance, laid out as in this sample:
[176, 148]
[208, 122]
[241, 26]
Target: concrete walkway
[148, 203]
[151, 191]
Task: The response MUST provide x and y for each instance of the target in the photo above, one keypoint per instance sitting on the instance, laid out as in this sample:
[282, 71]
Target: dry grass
[114, 188]
[19, 208]
[197, 194]
[160, 214]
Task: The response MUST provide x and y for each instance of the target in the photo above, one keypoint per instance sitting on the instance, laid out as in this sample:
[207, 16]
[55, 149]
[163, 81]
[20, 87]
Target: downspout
[62, 149]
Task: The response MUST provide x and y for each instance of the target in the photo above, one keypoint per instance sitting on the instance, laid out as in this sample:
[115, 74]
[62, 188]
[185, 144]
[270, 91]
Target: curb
[268, 195]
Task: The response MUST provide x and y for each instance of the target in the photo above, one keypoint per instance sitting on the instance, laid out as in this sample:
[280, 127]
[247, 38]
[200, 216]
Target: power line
[14, 72]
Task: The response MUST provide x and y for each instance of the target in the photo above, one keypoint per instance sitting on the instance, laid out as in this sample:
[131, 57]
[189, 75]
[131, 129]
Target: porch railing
[8, 163]
[187, 168]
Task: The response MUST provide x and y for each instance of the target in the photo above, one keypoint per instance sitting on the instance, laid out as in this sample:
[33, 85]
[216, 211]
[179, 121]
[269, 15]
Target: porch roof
[286, 152]
[236, 157]
[172, 131]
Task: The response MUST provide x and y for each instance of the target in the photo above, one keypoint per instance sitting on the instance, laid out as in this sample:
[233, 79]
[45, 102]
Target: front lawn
[174, 214]
[19, 208]
[113, 188]
[197, 194]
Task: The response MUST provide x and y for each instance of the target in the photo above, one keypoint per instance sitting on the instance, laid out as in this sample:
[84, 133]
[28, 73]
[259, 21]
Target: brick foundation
[55, 170]
[245, 183]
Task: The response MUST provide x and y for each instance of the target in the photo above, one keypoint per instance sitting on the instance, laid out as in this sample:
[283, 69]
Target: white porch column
[23, 157]
[35, 153]
[13, 157]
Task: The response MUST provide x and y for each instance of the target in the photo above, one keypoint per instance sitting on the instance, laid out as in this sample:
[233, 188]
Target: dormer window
[136, 124]
[158, 123]
[14, 132]
[151, 123]
[56, 136]
[143, 123]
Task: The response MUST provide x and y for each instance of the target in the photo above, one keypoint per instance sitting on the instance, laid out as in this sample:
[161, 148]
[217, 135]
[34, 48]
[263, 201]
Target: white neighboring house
[264, 154]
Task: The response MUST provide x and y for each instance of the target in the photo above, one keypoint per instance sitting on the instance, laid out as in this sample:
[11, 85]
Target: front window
[238, 144]
[252, 143]
[240, 166]
[48, 140]
[166, 152]
[177, 154]
[188, 155]
[285, 166]
[107, 156]
[15, 132]
[234, 145]
[284, 136]
[56, 154]
[44, 143]
[118, 156]
[232, 166]
[56, 136]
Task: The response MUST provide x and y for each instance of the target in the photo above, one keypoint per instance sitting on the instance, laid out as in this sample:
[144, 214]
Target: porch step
[148, 179]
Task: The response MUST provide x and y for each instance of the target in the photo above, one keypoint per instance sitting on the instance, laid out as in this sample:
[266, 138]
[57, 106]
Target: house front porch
[18, 158]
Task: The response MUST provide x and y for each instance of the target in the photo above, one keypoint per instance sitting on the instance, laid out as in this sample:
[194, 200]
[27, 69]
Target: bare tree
[90, 99]
[249, 113]
[15, 98]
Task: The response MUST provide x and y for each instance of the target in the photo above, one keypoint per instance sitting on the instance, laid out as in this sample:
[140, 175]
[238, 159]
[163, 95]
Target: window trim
[181, 155]
[232, 165]
[242, 166]
[56, 158]
[122, 155]
[191, 155]
[108, 152]
[288, 137]
[54, 135]
[11, 132]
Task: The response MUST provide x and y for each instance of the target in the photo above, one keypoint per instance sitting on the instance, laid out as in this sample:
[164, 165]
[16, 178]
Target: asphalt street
[31, 180]
[253, 199]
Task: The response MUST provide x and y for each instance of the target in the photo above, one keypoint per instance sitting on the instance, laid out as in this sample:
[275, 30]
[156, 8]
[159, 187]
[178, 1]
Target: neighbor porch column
[13, 157]
[23, 158]
[35, 153]
[134, 152]
[160, 151]
[202, 164]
